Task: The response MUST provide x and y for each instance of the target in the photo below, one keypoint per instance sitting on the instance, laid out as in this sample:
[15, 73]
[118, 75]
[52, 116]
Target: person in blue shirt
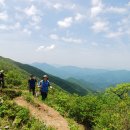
[44, 85]
[32, 84]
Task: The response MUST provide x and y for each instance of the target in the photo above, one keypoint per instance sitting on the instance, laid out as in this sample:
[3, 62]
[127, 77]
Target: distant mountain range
[96, 79]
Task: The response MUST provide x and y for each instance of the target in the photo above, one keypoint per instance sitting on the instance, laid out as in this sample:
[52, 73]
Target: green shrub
[109, 110]
[11, 93]
[16, 117]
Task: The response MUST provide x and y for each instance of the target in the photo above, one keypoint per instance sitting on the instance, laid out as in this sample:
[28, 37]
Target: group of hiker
[32, 83]
[43, 85]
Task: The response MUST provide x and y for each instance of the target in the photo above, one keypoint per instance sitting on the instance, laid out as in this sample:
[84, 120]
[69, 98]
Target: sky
[84, 33]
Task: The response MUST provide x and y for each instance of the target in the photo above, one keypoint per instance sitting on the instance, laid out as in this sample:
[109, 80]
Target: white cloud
[100, 26]
[3, 27]
[17, 25]
[116, 10]
[57, 6]
[114, 34]
[60, 5]
[124, 26]
[34, 17]
[96, 2]
[25, 30]
[37, 27]
[2, 2]
[73, 6]
[31, 10]
[72, 40]
[10, 27]
[66, 39]
[95, 11]
[79, 17]
[54, 37]
[35, 20]
[128, 3]
[67, 22]
[3, 16]
[97, 8]
[40, 48]
[47, 48]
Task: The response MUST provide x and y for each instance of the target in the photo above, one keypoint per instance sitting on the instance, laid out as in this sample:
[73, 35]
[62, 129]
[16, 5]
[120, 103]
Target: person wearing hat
[44, 84]
[32, 84]
[2, 79]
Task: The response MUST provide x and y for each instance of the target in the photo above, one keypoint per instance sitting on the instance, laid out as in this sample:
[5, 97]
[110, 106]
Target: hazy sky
[86, 33]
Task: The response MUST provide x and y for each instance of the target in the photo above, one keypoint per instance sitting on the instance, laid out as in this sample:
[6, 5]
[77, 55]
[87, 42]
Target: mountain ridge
[98, 78]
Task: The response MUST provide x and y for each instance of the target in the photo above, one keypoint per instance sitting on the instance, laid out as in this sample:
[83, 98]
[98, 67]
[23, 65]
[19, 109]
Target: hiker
[32, 84]
[44, 84]
[2, 83]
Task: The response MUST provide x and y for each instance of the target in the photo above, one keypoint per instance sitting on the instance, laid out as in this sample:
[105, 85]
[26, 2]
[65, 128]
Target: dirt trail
[45, 114]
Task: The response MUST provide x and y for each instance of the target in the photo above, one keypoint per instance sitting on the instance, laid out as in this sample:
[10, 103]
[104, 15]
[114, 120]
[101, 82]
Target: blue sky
[85, 33]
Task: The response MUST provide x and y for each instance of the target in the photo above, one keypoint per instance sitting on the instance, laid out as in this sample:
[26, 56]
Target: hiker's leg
[3, 83]
[46, 95]
[30, 89]
[43, 95]
[0, 83]
[33, 89]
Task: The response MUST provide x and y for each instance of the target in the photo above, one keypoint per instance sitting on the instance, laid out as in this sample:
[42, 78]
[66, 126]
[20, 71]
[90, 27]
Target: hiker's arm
[49, 84]
[28, 84]
[39, 84]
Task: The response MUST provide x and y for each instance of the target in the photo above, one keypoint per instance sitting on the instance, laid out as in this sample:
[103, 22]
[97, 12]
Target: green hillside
[15, 76]
[82, 83]
[109, 110]
[17, 73]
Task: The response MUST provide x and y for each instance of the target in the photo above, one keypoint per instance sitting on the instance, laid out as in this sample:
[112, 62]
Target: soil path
[45, 114]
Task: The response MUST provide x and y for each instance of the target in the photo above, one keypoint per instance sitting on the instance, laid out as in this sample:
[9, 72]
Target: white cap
[45, 76]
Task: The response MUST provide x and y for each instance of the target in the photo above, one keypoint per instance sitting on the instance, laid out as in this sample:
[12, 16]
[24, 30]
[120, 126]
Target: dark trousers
[44, 95]
[2, 83]
[32, 90]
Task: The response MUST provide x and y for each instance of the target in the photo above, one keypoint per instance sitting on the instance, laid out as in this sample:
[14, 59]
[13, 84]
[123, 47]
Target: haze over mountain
[97, 79]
